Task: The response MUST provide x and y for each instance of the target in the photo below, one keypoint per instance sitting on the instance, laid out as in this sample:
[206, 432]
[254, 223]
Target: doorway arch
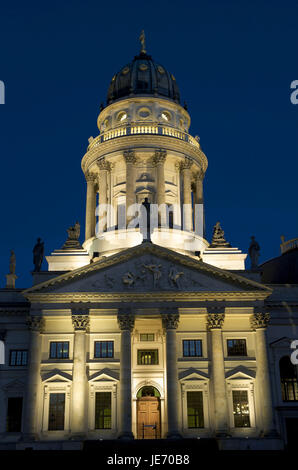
[148, 413]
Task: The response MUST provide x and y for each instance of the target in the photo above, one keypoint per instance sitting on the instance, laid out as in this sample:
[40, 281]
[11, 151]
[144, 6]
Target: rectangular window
[103, 410]
[18, 357]
[14, 414]
[192, 348]
[195, 414]
[236, 347]
[56, 411]
[104, 349]
[147, 337]
[59, 350]
[147, 357]
[241, 409]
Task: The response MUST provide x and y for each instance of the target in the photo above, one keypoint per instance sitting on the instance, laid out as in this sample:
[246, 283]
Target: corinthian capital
[260, 320]
[170, 321]
[215, 320]
[103, 164]
[80, 322]
[159, 156]
[126, 320]
[187, 164]
[200, 175]
[90, 177]
[129, 156]
[35, 323]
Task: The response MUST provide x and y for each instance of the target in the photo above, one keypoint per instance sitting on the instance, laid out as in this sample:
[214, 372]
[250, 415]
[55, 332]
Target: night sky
[234, 62]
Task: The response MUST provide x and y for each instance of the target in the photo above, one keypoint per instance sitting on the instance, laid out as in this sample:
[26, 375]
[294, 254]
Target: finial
[142, 40]
[11, 277]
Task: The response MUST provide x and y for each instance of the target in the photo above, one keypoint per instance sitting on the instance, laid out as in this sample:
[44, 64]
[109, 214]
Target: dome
[143, 76]
[281, 270]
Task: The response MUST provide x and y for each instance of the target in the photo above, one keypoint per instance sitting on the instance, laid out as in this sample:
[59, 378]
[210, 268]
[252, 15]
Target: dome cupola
[143, 76]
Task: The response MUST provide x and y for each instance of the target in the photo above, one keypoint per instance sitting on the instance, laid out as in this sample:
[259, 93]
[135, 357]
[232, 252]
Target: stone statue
[128, 278]
[156, 271]
[74, 232]
[38, 252]
[142, 40]
[12, 262]
[72, 242]
[147, 234]
[218, 237]
[174, 276]
[254, 253]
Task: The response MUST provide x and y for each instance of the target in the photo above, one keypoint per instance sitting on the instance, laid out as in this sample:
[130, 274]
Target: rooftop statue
[218, 237]
[38, 252]
[72, 241]
[12, 262]
[254, 253]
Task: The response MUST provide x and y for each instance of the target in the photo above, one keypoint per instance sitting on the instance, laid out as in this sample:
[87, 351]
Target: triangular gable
[282, 343]
[132, 270]
[14, 386]
[106, 375]
[193, 374]
[56, 375]
[240, 372]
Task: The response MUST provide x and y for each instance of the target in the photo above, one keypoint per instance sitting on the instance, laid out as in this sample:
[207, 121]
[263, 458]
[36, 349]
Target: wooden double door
[148, 417]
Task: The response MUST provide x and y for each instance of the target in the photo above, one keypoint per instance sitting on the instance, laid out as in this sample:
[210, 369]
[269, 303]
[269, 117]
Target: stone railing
[139, 129]
[289, 245]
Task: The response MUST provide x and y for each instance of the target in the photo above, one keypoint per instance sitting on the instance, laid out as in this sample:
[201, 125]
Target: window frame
[64, 410]
[147, 350]
[199, 340]
[242, 415]
[101, 356]
[19, 397]
[109, 392]
[147, 340]
[236, 339]
[11, 351]
[195, 416]
[56, 343]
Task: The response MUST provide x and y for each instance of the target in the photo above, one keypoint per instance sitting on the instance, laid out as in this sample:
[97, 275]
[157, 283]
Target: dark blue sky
[234, 62]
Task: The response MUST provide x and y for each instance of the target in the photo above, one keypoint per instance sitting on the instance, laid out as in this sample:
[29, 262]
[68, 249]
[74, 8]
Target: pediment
[148, 268]
[240, 373]
[56, 376]
[104, 375]
[193, 374]
[14, 386]
[282, 343]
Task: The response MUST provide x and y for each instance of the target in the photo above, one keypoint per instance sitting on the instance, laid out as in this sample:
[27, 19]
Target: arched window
[288, 379]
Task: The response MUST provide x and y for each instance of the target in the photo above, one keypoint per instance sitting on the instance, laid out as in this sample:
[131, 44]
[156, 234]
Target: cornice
[109, 297]
[143, 141]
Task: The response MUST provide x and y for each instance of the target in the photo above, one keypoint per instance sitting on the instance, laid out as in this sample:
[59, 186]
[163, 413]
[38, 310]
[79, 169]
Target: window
[148, 357]
[59, 350]
[241, 409]
[103, 410]
[56, 411]
[14, 414]
[236, 347]
[288, 378]
[18, 357]
[147, 337]
[104, 349]
[192, 348]
[195, 415]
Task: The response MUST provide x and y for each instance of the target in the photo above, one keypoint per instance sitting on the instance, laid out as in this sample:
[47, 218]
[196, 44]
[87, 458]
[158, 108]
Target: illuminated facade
[126, 338]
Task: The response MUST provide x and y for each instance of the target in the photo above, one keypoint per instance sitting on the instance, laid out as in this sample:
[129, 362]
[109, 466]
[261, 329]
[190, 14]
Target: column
[214, 323]
[259, 324]
[33, 392]
[104, 168]
[187, 203]
[126, 324]
[159, 160]
[199, 199]
[80, 320]
[130, 159]
[90, 206]
[170, 323]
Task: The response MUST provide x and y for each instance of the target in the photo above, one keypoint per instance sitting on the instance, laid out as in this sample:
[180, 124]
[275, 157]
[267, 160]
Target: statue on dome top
[254, 253]
[38, 252]
[142, 41]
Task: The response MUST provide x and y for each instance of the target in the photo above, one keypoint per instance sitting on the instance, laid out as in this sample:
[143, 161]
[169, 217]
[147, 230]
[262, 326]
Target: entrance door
[148, 417]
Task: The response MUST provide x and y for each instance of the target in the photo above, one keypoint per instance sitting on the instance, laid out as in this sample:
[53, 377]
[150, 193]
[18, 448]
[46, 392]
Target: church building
[149, 331]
